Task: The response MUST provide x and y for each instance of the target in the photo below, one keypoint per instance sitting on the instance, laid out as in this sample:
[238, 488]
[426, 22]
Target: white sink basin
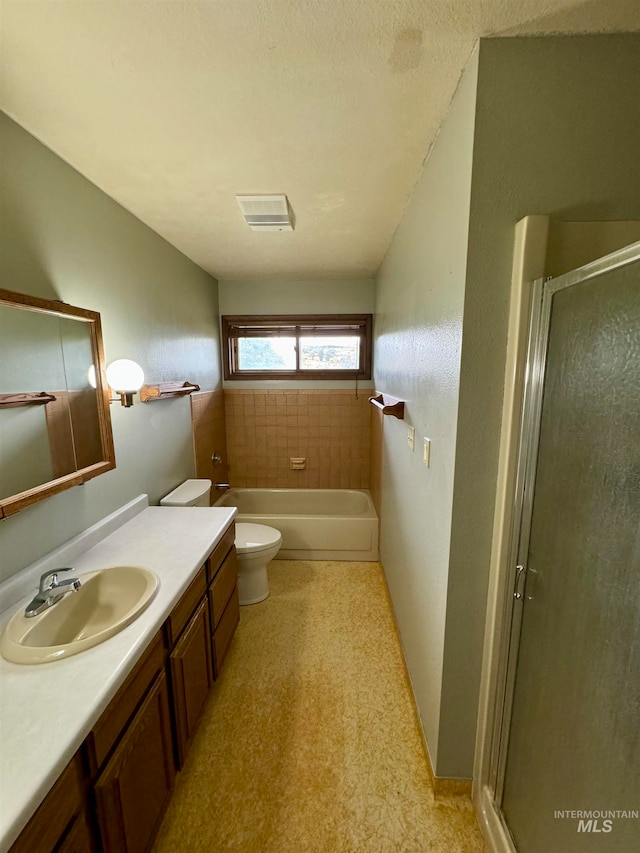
[107, 601]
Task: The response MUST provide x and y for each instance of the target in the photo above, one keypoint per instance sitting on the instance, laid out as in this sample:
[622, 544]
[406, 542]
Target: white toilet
[256, 544]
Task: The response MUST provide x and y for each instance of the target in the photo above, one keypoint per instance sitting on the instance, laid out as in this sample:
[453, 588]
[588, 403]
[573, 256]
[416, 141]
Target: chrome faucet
[222, 486]
[52, 592]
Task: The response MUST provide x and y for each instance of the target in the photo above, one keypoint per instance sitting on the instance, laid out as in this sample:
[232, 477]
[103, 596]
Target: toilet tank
[190, 493]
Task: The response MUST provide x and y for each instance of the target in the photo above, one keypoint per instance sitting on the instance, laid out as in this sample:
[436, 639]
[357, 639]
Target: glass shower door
[572, 767]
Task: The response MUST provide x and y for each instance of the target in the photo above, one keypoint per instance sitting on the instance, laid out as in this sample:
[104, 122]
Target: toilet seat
[254, 538]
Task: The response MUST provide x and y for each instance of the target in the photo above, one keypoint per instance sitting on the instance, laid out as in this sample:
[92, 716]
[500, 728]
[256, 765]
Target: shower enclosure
[565, 755]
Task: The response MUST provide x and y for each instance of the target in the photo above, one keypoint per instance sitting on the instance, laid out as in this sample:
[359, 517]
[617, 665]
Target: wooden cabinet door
[113, 722]
[78, 840]
[191, 677]
[134, 788]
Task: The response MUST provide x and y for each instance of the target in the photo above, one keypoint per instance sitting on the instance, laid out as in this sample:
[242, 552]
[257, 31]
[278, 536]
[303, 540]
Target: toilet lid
[256, 537]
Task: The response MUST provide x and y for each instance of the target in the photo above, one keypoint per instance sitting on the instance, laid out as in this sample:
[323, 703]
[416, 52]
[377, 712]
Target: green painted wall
[555, 132]
[418, 331]
[62, 238]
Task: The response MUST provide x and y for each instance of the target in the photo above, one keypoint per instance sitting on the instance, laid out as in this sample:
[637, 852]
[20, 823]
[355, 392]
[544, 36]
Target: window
[310, 346]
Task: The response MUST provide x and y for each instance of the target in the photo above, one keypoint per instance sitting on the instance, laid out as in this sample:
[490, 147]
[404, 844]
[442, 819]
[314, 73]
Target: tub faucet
[52, 592]
[222, 486]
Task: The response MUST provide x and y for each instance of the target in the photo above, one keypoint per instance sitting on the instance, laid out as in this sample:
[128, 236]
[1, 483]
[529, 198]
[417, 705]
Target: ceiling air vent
[266, 212]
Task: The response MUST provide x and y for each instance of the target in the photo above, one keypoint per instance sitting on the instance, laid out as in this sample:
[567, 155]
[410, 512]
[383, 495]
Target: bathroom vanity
[91, 743]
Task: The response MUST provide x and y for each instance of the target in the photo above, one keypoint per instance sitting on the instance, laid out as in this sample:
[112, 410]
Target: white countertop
[47, 710]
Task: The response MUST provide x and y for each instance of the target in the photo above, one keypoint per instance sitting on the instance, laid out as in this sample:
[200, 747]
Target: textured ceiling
[174, 107]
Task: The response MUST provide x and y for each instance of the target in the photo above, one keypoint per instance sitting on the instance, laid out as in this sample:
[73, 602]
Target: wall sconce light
[125, 378]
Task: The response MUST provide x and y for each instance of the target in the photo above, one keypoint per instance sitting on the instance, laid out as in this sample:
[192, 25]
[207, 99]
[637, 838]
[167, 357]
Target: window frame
[297, 324]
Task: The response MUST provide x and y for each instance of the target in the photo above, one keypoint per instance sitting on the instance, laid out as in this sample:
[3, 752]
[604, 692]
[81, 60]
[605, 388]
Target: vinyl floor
[309, 741]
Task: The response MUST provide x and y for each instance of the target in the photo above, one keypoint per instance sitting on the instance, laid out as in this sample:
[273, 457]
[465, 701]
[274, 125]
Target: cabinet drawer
[108, 728]
[220, 552]
[181, 613]
[222, 586]
[223, 634]
[135, 786]
[54, 814]
[191, 677]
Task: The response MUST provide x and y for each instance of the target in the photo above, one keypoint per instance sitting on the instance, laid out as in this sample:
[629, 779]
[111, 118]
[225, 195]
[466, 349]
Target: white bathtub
[316, 524]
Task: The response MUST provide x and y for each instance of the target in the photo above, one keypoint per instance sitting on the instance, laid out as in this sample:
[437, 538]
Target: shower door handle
[521, 579]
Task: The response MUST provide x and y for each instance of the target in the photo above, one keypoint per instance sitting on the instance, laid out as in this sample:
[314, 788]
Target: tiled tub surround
[47, 710]
[209, 438]
[330, 428]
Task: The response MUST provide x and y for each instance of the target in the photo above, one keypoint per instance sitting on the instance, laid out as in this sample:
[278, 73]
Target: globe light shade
[125, 377]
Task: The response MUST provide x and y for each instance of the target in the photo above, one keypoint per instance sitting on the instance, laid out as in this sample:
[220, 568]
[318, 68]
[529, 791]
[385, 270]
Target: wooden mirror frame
[14, 503]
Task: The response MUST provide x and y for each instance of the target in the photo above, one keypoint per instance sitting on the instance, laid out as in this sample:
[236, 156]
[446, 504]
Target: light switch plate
[411, 436]
[426, 451]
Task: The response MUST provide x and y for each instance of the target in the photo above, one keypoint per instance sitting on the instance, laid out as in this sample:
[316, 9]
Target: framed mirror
[55, 425]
